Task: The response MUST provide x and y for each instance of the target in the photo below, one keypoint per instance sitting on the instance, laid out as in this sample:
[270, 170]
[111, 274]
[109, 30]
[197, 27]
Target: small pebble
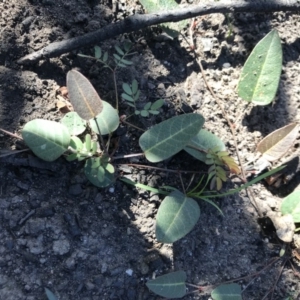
[129, 272]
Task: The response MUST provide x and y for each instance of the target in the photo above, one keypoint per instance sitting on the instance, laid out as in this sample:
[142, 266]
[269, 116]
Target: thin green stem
[116, 88]
[99, 136]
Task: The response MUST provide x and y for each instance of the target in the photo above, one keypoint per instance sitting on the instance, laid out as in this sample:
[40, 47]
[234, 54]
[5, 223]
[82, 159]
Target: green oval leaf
[47, 139]
[153, 112]
[170, 285]
[119, 50]
[261, 73]
[105, 57]
[91, 171]
[127, 97]
[145, 113]
[98, 52]
[88, 142]
[127, 88]
[100, 174]
[126, 62]
[278, 142]
[76, 143]
[157, 104]
[108, 120]
[83, 96]
[147, 106]
[204, 141]
[227, 292]
[176, 217]
[110, 168]
[291, 205]
[169, 137]
[74, 123]
[134, 86]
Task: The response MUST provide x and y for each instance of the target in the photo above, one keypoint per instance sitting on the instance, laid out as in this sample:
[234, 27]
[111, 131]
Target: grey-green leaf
[98, 52]
[144, 113]
[227, 292]
[119, 50]
[261, 73]
[176, 217]
[170, 285]
[127, 88]
[147, 106]
[108, 120]
[127, 97]
[74, 123]
[291, 205]
[134, 86]
[105, 56]
[205, 141]
[117, 57]
[169, 137]
[126, 62]
[47, 139]
[153, 112]
[157, 104]
[50, 295]
[76, 143]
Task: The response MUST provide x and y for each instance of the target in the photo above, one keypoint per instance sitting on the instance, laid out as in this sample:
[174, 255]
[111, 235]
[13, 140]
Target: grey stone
[61, 247]
[35, 226]
[36, 245]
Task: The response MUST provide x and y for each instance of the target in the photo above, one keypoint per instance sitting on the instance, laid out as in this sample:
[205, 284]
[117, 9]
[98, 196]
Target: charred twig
[137, 22]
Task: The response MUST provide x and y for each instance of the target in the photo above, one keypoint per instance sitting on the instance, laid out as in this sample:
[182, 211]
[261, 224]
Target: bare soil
[61, 232]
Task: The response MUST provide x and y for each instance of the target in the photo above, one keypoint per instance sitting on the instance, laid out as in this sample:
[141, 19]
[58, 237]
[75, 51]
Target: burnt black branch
[137, 22]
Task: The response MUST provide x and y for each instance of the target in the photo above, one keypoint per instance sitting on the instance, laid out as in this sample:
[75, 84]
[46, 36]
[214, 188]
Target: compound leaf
[91, 170]
[83, 96]
[204, 141]
[176, 217]
[170, 285]
[277, 143]
[169, 137]
[108, 120]
[47, 139]
[74, 123]
[227, 292]
[261, 73]
[291, 205]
